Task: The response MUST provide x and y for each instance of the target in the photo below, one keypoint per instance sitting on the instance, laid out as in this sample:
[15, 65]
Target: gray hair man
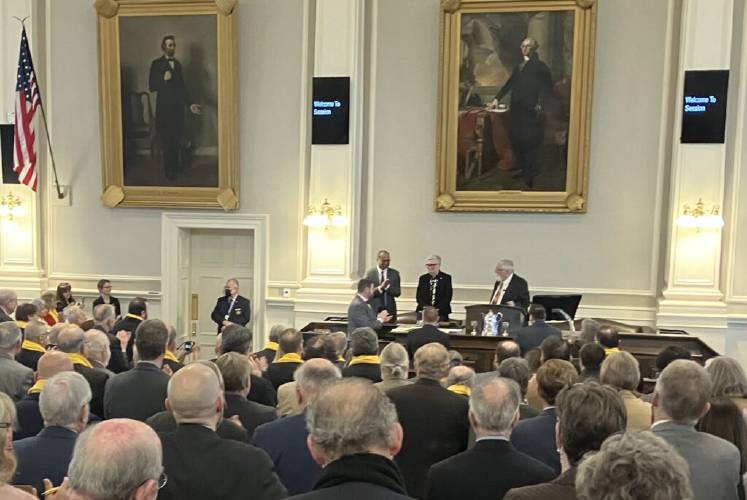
[354, 435]
[509, 289]
[15, 379]
[680, 400]
[271, 347]
[97, 349]
[34, 343]
[104, 320]
[237, 338]
[285, 440]
[434, 288]
[460, 380]
[64, 406]
[517, 369]
[364, 345]
[395, 364]
[71, 341]
[8, 304]
[74, 315]
[493, 411]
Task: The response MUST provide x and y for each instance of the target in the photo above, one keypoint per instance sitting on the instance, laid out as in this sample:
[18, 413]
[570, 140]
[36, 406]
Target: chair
[140, 130]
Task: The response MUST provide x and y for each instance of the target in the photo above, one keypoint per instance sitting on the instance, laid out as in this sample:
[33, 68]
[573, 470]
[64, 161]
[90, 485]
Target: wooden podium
[515, 316]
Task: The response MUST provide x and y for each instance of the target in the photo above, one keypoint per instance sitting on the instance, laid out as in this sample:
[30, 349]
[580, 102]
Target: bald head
[52, 363]
[195, 395]
[70, 339]
[432, 361]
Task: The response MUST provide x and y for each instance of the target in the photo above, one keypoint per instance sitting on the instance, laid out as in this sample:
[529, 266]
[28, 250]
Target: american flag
[27, 101]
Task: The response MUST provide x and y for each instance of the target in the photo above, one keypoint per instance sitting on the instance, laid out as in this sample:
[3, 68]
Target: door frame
[176, 225]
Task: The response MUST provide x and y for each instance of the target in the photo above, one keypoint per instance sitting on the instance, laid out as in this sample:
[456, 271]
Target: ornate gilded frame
[115, 192]
[573, 199]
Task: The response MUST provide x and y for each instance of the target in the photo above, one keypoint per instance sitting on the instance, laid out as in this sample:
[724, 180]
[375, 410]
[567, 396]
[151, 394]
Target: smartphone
[188, 345]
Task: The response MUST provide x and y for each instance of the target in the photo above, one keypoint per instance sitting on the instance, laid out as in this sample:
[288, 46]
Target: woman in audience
[725, 420]
[395, 364]
[105, 296]
[64, 296]
[620, 370]
[50, 301]
[729, 380]
[7, 457]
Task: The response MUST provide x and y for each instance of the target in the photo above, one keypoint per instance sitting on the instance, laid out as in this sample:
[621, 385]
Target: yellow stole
[460, 389]
[30, 345]
[22, 324]
[134, 316]
[37, 387]
[340, 359]
[365, 360]
[291, 357]
[273, 346]
[611, 350]
[55, 315]
[79, 359]
[170, 356]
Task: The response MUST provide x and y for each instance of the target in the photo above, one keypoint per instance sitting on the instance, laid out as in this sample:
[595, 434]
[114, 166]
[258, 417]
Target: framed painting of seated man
[515, 105]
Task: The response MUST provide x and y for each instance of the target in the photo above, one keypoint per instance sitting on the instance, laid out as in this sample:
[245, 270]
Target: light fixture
[10, 206]
[325, 215]
[700, 217]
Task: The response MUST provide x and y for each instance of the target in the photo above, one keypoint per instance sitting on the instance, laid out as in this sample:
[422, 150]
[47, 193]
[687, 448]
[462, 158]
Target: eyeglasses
[6, 425]
[162, 480]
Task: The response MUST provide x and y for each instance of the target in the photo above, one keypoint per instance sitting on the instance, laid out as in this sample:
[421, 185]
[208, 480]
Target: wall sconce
[325, 215]
[699, 217]
[10, 206]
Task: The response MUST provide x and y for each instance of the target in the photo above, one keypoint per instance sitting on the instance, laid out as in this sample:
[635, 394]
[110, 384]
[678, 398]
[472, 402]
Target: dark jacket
[137, 393]
[29, 358]
[114, 301]
[267, 353]
[28, 416]
[262, 392]
[435, 427]
[129, 323]
[444, 292]
[517, 291]
[201, 465]
[532, 336]
[526, 411]
[118, 361]
[363, 476]
[369, 371]
[97, 380]
[561, 488]
[251, 414]
[428, 333]
[285, 441]
[45, 455]
[485, 472]
[163, 422]
[536, 437]
[281, 373]
[241, 312]
[386, 299]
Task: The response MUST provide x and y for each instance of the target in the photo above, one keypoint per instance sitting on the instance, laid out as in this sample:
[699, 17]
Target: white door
[215, 256]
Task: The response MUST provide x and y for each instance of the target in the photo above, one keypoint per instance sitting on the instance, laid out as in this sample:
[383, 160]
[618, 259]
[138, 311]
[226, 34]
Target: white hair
[7, 296]
[63, 398]
[434, 257]
[10, 335]
[506, 264]
[494, 402]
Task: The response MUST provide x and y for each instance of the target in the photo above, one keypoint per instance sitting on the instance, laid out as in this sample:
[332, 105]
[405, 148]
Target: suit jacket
[444, 292]
[118, 361]
[714, 462]
[435, 427]
[201, 465]
[473, 473]
[536, 437]
[251, 414]
[532, 336]
[163, 422]
[128, 323]
[639, 412]
[561, 488]
[29, 418]
[5, 317]
[369, 371]
[114, 301]
[15, 379]
[97, 380]
[137, 393]
[386, 299]
[361, 313]
[526, 411]
[287, 400]
[29, 358]
[285, 442]
[281, 373]
[241, 313]
[262, 392]
[428, 333]
[45, 455]
[517, 291]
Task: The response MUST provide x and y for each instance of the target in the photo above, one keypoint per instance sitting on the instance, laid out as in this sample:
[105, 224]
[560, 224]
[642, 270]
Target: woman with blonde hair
[7, 457]
[728, 379]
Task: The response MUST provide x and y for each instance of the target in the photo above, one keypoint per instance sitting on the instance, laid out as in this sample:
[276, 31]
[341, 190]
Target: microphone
[566, 317]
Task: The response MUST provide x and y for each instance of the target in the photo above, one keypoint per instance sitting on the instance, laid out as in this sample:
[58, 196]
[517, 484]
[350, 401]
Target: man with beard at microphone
[232, 307]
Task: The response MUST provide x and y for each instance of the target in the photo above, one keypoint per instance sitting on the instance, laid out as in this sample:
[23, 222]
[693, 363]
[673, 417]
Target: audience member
[680, 400]
[536, 436]
[589, 329]
[364, 345]
[460, 380]
[7, 457]
[280, 371]
[620, 370]
[538, 330]
[551, 348]
[517, 369]
[74, 315]
[64, 297]
[505, 350]
[64, 406]
[455, 358]
[34, 344]
[434, 420]
[285, 440]
[651, 468]
[340, 341]
[271, 347]
[590, 358]
[669, 354]
[105, 296]
[492, 466]
[97, 350]
[725, 420]
[104, 320]
[395, 365]
[588, 413]
[534, 359]
[428, 333]
[237, 338]
[72, 341]
[52, 317]
[137, 312]
[24, 314]
[8, 304]
[140, 392]
[354, 435]
[170, 358]
[729, 380]
[30, 420]
[15, 379]
[236, 371]
[609, 339]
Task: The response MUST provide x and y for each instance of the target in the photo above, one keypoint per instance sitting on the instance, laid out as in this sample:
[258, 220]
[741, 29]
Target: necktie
[381, 280]
[497, 295]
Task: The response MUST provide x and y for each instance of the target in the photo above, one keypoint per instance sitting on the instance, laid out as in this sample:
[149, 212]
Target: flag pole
[46, 130]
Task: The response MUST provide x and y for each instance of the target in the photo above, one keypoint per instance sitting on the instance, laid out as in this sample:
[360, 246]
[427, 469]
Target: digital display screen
[704, 107]
[330, 108]
[6, 154]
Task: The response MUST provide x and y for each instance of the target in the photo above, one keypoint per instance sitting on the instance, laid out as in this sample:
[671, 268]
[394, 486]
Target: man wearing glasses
[434, 288]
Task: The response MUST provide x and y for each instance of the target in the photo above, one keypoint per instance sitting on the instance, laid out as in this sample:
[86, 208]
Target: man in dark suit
[365, 363]
[285, 440]
[473, 474]
[281, 370]
[173, 100]
[137, 312]
[15, 379]
[236, 372]
[163, 423]
[34, 344]
[361, 313]
[434, 420]
[71, 341]
[532, 336]
[536, 436]
[387, 283]
[434, 288]
[271, 347]
[237, 338]
[232, 308]
[64, 406]
[509, 289]
[517, 369]
[354, 435]
[428, 333]
[104, 319]
[8, 304]
[140, 392]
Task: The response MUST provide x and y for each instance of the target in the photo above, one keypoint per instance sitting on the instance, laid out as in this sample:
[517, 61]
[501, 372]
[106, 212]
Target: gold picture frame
[181, 151]
[532, 153]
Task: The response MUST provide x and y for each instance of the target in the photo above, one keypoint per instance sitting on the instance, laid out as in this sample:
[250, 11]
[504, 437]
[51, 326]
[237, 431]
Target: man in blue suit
[64, 406]
[285, 440]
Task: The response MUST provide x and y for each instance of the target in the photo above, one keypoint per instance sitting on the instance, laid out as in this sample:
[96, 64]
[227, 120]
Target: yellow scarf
[611, 350]
[170, 356]
[273, 346]
[460, 389]
[134, 316]
[55, 315]
[365, 360]
[340, 359]
[30, 345]
[22, 324]
[79, 359]
[291, 357]
[37, 387]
